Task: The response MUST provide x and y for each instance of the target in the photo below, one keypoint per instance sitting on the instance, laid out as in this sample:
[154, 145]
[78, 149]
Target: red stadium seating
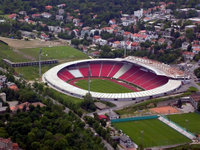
[114, 70]
[106, 68]
[95, 69]
[135, 75]
[65, 74]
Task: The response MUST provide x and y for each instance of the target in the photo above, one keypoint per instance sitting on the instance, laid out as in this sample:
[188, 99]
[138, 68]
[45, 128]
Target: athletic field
[190, 121]
[155, 133]
[102, 85]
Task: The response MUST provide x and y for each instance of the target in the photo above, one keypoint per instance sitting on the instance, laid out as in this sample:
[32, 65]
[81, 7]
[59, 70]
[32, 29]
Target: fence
[134, 119]
[33, 63]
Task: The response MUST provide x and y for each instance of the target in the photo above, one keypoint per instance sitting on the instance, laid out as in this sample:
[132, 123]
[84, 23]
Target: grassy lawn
[155, 133]
[57, 95]
[65, 53]
[193, 124]
[104, 86]
[31, 73]
[7, 53]
[62, 53]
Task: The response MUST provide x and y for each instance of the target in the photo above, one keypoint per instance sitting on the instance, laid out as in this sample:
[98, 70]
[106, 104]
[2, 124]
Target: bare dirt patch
[164, 110]
[36, 43]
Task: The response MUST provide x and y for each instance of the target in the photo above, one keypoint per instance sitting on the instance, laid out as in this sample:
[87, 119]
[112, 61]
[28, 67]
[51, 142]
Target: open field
[21, 44]
[62, 53]
[101, 85]
[31, 73]
[193, 123]
[8, 53]
[155, 133]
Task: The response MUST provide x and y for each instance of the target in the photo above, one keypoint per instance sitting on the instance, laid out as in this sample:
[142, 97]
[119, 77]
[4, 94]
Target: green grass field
[193, 123]
[155, 133]
[62, 53]
[101, 85]
[7, 53]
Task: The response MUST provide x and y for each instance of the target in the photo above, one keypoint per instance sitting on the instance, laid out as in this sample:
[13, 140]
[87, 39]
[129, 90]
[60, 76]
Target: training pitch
[155, 133]
[190, 121]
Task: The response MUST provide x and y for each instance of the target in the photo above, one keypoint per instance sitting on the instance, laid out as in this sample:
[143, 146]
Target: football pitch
[155, 133]
[190, 121]
[103, 86]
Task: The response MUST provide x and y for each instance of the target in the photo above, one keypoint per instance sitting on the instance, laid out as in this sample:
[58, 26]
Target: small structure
[26, 106]
[126, 143]
[7, 144]
[103, 117]
[112, 115]
[100, 105]
[3, 96]
[195, 99]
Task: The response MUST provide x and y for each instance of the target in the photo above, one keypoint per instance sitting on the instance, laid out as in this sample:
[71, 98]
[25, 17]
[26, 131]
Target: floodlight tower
[89, 74]
[124, 52]
[40, 52]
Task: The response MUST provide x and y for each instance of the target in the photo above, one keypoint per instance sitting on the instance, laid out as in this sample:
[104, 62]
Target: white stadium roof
[55, 82]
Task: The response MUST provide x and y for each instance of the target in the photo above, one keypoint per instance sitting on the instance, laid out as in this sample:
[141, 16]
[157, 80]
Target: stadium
[144, 78]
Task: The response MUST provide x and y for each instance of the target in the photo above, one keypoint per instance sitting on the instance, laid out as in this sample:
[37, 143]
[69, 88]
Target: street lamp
[40, 52]
[186, 124]
[142, 137]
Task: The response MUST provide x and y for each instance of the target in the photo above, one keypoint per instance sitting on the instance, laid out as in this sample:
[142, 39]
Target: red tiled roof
[102, 117]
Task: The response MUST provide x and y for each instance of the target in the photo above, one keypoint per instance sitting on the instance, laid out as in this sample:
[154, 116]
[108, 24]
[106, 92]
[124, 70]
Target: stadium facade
[156, 79]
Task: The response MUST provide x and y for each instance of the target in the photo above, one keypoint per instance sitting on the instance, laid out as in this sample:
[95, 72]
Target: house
[48, 7]
[108, 29]
[85, 30]
[7, 144]
[46, 15]
[26, 106]
[96, 39]
[28, 34]
[195, 99]
[103, 117]
[61, 11]
[56, 29]
[112, 115]
[3, 79]
[116, 44]
[59, 17]
[126, 143]
[61, 5]
[138, 13]
[188, 55]
[36, 16]
[26, 18]
[12, 16]
[23, 13]
[185, 45]
[12, 86]
[135, 45]
[44, 37]
[112, 21]
[3, 96]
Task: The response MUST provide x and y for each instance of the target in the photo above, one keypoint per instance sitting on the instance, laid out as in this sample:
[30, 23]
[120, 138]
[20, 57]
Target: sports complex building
[147, 78]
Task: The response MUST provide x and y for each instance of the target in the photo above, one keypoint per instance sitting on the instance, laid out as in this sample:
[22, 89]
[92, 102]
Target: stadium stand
[122, 70]
[114, 69]
[155, 82]
[106, 68]
[126, 72]
[76, 73]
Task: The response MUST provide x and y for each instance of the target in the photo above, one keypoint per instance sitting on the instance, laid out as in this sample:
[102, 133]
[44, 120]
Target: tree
[190, 34]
